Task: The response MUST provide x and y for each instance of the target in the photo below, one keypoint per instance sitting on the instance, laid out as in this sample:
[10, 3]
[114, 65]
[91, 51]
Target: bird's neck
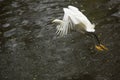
[92, 34]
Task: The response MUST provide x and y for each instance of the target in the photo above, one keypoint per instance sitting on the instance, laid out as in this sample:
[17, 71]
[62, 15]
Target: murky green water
[30, 49]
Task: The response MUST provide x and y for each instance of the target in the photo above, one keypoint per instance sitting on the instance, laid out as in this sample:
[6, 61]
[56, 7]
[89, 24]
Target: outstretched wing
[72, 17]
[82, 19]
[79, 15]
[67, 24]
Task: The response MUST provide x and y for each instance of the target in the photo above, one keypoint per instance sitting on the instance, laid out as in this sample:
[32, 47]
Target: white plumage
[73, 19]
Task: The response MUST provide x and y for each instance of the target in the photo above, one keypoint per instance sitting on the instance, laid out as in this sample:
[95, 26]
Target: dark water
[30, 49]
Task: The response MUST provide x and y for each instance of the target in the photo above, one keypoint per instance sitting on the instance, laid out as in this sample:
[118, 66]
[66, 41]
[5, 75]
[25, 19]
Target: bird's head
[91, 28]
[57, 21]
[98, 45]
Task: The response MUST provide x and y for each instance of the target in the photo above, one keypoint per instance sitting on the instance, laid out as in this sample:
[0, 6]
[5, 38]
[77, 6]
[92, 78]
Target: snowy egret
[74, 19]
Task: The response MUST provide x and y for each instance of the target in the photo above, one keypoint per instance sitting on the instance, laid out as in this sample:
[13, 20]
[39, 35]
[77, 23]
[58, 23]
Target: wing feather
[82, 18]
[72, 17]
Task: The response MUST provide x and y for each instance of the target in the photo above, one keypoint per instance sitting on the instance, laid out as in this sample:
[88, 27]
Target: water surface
[30, 49]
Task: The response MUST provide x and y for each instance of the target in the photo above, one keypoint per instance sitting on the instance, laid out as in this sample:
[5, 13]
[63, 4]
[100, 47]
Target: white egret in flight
[75, 20]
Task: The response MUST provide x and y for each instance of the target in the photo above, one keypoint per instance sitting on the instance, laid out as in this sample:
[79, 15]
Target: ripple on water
[6, 25]
[28, 24]
[25, 22]
[15, 4]
[10, 32]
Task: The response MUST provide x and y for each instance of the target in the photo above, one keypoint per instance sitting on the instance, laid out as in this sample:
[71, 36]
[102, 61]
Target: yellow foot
[101, 47]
